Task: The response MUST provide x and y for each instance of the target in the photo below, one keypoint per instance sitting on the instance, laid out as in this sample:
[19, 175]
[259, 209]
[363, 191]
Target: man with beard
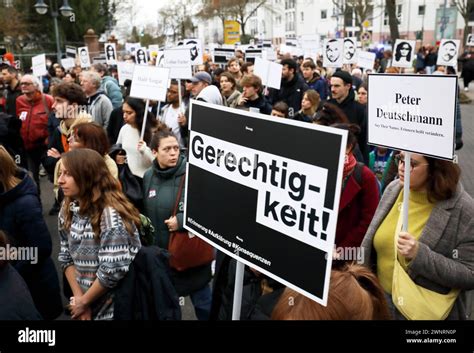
[292, 88]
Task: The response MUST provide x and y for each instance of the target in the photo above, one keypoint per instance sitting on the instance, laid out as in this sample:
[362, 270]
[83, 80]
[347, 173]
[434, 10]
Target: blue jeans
[202, 299]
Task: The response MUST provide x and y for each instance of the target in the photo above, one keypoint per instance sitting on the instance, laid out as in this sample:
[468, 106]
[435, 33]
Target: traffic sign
[365, 37]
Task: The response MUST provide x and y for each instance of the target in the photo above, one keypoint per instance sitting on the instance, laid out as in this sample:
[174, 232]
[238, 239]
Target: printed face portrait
[403, 50]
[140, 56]
[84, 56]
[332, 51]
[110, 52]
[349, 49]
[448, 51]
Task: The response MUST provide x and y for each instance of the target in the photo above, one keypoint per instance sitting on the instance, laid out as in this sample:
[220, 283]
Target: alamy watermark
[13, 253]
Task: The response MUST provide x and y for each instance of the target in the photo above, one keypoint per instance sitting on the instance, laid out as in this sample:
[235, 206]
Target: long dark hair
[398, 53]
[138, 107]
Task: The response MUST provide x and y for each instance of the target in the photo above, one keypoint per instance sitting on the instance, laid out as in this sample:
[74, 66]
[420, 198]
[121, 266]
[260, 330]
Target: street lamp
[65, 10]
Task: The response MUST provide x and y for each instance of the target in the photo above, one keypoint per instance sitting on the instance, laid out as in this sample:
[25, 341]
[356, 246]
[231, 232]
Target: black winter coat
[22, 220]
[146, 292]
[15, 302]
[260, 103]
[290, 92]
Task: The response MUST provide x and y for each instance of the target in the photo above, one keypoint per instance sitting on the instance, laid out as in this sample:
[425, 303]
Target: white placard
[125, 71]
[350, 50]
[448, 52]
[195, 49]
[414, 113]
[269, 72]
[252, 54]
[366, 59]
[270, 54]
[141, 57]
[179, 62]
[38, 64]
[333, 52]
[153, 48]
[403, 53]
[150, 82]
[84, 57]
[71, 51]
[68, 63]
[110, 53]
[470, 40]
[310, 42]
[132, 47]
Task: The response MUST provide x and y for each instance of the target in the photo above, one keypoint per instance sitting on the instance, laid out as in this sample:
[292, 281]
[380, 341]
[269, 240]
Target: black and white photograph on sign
[195, 49]
[448, 52]
[110, 53]
[252, 197]
[84, 57]
[413, 113]
[71, 51]
[141, 56]
[333, 52]
[470, 40]
[403, 53]
[350, 50]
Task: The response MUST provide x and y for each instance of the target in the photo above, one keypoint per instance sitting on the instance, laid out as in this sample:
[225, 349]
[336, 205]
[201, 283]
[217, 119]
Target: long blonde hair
[98, 189]
[8, 170]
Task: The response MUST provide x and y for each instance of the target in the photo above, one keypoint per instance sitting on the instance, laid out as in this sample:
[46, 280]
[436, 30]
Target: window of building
[302, 16]
[385, 18]
[421, 10]
[324, 14]
[399, 13]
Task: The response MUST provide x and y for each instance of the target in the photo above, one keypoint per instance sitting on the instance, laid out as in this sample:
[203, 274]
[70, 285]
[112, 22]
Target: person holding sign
[139, 155]
[160, 190]
[437, 251]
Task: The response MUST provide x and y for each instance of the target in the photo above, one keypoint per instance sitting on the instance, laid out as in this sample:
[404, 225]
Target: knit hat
[343, 75]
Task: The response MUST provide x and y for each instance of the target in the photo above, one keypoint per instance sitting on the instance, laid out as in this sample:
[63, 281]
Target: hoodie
[211, 94]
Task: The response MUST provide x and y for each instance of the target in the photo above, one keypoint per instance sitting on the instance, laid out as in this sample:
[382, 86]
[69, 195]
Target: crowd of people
[85, 132]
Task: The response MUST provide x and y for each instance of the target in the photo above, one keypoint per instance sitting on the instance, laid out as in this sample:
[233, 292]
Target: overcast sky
[144, 12]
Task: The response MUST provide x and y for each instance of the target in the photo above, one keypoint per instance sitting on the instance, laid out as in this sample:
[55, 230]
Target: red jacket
[356, 209]
[34, 116]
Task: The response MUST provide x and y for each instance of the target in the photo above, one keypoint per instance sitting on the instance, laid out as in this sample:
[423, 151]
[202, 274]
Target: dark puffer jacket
[21, 218]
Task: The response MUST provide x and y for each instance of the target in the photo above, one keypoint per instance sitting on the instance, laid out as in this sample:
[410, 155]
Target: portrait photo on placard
[448, 52]
[84, 57]
[195, 49]
[350, 50]
[333, 52]
[110, 53]
[140, 56]
[404, 53]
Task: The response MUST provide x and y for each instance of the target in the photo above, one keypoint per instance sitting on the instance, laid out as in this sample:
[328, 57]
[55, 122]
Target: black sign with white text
[268, 190]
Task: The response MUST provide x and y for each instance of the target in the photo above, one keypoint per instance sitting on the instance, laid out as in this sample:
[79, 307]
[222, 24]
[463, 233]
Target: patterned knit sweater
[106, 258]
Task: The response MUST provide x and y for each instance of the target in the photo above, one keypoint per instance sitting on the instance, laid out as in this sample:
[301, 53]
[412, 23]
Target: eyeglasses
[26, 83]
[413, 164]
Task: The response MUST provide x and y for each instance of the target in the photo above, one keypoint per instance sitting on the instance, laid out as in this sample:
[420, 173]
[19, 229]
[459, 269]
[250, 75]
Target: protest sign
[38, 64]
[178, 60]
[269, 72]
[271, 205]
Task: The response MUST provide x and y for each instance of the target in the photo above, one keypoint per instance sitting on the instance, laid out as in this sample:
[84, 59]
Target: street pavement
[465, 157]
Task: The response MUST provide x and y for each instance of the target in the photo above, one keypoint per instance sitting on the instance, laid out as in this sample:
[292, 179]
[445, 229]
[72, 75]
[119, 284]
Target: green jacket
[160, 188]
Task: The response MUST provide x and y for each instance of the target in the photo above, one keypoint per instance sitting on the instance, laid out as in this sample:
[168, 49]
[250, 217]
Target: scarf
[349, 165]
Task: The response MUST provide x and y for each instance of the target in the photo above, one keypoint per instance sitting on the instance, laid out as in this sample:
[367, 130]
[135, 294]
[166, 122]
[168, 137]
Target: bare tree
[465, 8]
[177, 19]
[238, 10]
[363, 10]
[392, 19]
